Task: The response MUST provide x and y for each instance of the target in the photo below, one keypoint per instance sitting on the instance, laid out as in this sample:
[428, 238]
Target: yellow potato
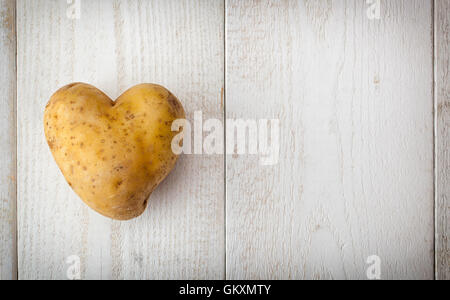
[113, 154]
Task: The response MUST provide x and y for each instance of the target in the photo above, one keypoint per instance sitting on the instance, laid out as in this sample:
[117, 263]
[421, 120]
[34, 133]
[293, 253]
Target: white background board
[115, 45]
[357, 110]
[442, 93]
[355, 176]
[8, 257]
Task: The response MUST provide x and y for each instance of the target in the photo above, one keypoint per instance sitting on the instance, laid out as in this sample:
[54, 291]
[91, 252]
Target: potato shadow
[170, 188]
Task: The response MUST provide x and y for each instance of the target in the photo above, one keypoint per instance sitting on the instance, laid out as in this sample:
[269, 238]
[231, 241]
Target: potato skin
[113, 154]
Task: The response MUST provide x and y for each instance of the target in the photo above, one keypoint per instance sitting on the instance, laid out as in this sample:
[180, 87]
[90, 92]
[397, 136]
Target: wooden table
[363, 176]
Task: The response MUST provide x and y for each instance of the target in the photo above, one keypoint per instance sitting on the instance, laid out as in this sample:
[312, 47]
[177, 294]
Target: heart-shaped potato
[113, 154]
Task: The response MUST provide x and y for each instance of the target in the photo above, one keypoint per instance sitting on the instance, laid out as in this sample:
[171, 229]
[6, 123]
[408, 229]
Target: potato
[113, 154]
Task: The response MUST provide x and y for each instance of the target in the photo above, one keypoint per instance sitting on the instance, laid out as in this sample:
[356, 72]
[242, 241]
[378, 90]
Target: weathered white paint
[8, 258]
[115, 45]
[442, 92]
[355, 177]
[354, 97]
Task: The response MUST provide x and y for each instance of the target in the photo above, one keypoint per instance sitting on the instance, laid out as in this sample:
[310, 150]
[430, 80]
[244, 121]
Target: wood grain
[8, 257]
[115, 45]
[442, 92]
[355, 173]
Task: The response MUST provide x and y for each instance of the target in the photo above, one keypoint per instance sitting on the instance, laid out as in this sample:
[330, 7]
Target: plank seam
[16, 231]
[433, 93]
[225, 3]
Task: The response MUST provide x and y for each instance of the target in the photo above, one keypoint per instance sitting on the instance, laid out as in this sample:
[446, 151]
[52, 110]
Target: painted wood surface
[8, 259]
[115, 45]
[354, 96]
[442, 92]
[355, 175]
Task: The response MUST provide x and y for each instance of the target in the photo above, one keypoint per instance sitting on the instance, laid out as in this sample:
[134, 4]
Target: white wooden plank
[115, 45]
[8, 257]
[355, 173]
[442, 92]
